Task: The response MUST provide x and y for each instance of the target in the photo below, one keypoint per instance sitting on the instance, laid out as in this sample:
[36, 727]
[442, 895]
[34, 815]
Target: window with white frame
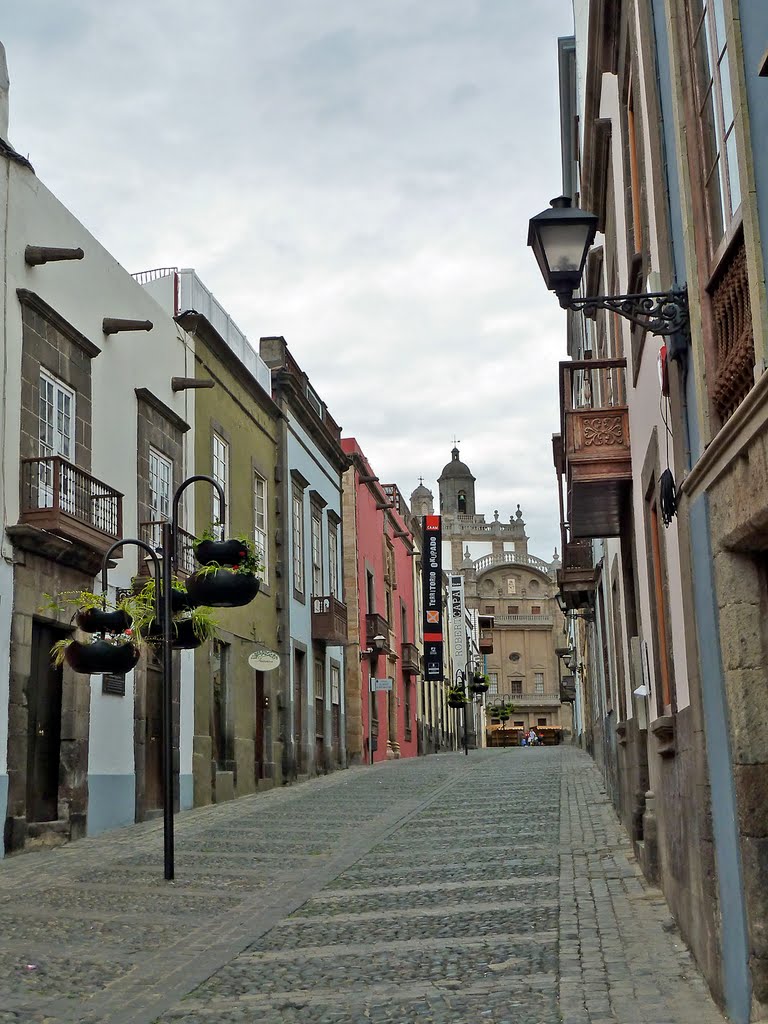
[57, 417]
[160, 473]
[317, 552]
[298, 540]
[333, 558]
[220, 473]
[714, 102]
[260, 520]
[538, 682]
[335, 684]
[493, 683]
[56, 437]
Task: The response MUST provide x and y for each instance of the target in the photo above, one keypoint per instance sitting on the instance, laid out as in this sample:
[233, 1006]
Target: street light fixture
[561, 238]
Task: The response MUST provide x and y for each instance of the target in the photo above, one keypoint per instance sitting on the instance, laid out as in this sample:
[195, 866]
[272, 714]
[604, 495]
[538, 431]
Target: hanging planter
[188, 631]
[456, 699]
[222, 588]
[100, 656]
[221, 552]
[504, 716]
[479, 684]
[180, 599]
[101, 620]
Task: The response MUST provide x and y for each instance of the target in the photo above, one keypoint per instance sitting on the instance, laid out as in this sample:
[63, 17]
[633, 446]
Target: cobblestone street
[495, 887]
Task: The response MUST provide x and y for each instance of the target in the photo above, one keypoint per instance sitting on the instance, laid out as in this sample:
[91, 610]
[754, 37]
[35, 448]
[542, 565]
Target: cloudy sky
[356, 175]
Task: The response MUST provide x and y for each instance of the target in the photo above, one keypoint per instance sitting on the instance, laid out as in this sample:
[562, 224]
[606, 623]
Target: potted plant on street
[190, 629]
[456, 697]
[112, 653]
[211, 551]
[479, 683]
[227, 585]
[114, 647]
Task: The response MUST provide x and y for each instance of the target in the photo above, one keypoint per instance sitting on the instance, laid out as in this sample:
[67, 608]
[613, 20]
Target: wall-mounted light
[379, 643]
[561, 238]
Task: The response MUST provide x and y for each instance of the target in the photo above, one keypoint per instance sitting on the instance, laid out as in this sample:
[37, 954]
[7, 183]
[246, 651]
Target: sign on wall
[432, 576]
[458, 621]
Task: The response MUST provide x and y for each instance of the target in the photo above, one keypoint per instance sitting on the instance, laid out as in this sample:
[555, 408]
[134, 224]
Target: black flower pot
[99, 620]
[101, 656]
[479, 687]
[223, 589]
[182, 634]
[222, 552]
[456, 702]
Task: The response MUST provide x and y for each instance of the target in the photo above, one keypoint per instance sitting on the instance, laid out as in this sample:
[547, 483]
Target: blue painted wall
[307, 459]
[111, 802]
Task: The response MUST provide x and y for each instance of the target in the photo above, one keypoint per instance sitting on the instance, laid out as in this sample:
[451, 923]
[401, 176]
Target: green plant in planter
[204, 625]
[62, 648]
[251, 565]
[456, 696]
[78, 599]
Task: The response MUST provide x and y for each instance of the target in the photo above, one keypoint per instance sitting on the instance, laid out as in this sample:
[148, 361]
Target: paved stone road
[496, 887]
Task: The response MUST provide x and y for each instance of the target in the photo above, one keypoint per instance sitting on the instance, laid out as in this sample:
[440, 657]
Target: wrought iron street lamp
[561, 238]
[164, 572]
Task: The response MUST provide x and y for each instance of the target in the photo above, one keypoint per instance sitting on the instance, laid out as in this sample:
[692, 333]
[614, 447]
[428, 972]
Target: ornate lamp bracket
[662, 313]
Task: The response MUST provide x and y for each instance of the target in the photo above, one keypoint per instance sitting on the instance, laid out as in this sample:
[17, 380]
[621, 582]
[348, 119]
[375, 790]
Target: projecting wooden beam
[35, 255]
[187, 383]
[113, 325]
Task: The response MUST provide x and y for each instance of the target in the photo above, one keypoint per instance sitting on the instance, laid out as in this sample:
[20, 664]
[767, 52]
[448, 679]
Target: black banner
[432, 580]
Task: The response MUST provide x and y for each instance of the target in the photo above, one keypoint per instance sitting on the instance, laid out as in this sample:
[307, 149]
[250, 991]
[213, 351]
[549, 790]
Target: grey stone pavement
[497, 887]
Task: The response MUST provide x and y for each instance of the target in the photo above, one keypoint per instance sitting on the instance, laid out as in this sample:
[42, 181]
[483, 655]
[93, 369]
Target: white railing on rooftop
[194, 295]
[191, 294]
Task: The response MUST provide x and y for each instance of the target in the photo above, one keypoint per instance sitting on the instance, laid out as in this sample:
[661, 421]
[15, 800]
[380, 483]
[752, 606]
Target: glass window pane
[719, 13]
[733, 172]
[715, 208]
[702, 61]
[725, 89]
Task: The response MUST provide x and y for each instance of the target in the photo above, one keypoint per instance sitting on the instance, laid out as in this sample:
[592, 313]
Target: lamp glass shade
[561, 238]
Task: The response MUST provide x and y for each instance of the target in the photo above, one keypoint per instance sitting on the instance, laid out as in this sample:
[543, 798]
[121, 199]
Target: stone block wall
[33, 577]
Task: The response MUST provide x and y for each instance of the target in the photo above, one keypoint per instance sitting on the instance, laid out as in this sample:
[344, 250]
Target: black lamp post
[163, 586]
[561, 238]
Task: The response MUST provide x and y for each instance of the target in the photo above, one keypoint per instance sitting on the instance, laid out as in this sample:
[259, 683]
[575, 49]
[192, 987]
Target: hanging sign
[264, 660]
[432, 582]
[458, 620]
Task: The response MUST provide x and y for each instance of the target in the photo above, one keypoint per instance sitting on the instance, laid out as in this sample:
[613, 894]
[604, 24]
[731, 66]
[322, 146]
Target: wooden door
[299, 699]
[43, 726]
[259, 724]
[153, 745]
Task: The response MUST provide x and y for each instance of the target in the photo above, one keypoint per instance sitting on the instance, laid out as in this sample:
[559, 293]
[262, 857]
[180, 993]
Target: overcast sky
[356, 175]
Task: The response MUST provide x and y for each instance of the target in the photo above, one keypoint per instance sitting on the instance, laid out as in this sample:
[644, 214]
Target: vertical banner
[458, 621]
[432, 581]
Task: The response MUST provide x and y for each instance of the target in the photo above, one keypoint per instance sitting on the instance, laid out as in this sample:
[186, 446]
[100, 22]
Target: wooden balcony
[69, 503]
[150, 533]
[409, 659]
[486, 641]
[577, 580]
[377, 625]
[329, 620]
[593, 450]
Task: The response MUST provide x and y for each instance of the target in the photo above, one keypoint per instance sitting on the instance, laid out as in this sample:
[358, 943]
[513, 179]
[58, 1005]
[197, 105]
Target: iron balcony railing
[54, 492]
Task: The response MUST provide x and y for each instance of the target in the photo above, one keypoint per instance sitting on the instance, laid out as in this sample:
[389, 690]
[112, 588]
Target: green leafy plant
[59, 649]
[142, 610]
[80, 600]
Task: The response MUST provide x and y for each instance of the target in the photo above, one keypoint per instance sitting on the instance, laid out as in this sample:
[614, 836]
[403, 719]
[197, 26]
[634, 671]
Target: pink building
[378, 581]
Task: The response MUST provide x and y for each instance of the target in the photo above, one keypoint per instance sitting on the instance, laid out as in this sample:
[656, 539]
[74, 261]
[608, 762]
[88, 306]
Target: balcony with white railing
[486, 562]
[544, 621]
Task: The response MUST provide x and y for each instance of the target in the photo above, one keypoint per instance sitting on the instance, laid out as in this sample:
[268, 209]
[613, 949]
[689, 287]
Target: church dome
[455, 468]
